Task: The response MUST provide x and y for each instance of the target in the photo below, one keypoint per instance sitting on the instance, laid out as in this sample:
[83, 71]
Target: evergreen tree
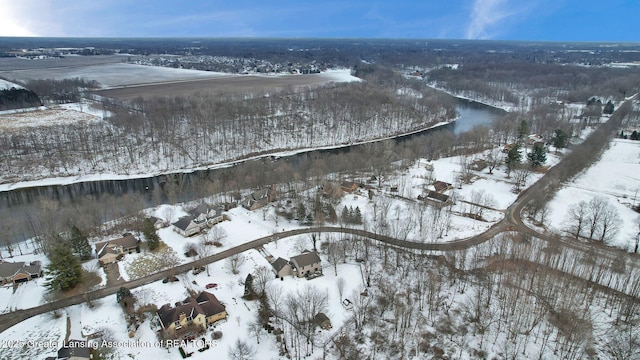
[344, 217]
[608, 108]
[248, 286]
[635, 135]
[80, 244]
[149, 231]
[523, 131]
[537, 156]
[64, 272]
[560, 139]
[514, 157]
[301, 212]
[122, 294]
[357, 216]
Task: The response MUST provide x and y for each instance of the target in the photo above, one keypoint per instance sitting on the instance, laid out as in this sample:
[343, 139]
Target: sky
[536, 20]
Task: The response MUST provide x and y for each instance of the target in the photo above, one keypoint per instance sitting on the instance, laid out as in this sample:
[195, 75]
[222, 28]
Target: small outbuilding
[322, 320]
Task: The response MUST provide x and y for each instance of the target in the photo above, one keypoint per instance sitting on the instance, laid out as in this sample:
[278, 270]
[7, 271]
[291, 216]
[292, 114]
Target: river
[18, 204]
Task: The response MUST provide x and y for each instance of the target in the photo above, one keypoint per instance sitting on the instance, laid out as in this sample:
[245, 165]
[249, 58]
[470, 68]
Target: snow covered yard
[615, 178]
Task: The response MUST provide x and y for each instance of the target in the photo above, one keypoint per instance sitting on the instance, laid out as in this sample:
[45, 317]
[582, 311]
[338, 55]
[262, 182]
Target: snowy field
[113, 75]
[616, 178]
[48, 117]
[123, 74]
[6, 85]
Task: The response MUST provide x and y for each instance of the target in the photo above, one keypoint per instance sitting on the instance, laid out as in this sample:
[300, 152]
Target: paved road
[562, 172]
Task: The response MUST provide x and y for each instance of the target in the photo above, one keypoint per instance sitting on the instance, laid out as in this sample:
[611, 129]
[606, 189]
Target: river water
[18, 203]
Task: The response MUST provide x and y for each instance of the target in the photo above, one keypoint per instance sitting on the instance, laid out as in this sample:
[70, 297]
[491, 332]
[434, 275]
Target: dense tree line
[183, 132]
[509, 81]
[520, 298]
[61, 91]
[18, 98]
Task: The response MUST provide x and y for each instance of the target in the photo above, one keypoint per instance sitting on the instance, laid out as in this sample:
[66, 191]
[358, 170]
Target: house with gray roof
[186, 226]
[306, 264]
[281, 267]
[75, 350]
[18, 272]
[258, 199]
[111, 251]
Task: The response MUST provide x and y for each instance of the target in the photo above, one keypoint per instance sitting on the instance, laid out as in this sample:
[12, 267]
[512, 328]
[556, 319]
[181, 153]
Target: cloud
[12, 23]
[485, 15]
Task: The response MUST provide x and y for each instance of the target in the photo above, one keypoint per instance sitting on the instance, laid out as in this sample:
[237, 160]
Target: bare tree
[521, 174]
[241, 351]
[261, 277]
[340, 282]
[494, 158]
[577, 218]
[234, 262]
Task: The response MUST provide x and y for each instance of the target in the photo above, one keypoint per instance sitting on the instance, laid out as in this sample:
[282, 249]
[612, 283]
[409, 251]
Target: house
[306, 263]
[322, 320]
[507, 148]
[534, 139]
[157, 222]
[191, 316]
[281, 267]
[186, 226]
[437, 197]
[75, 350]
[441, 186]
[18, 272]
[259, 199]
[111, 251]
[349, 186]
[208, 215]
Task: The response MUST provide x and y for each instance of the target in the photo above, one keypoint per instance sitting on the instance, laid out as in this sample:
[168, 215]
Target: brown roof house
[323, 321]
[349, 186]
[191, 316]
[259, 199]
[441, 186]
[306, 263]
[111, 251]
[19, 272]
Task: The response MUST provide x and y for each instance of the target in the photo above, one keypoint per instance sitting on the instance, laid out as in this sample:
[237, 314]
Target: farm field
[109, 74]
[224, 83]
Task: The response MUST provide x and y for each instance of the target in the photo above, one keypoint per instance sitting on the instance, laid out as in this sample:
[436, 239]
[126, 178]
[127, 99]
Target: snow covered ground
[6, 85]
[616, 172]
[616, 178]
[69, 114]
[112, 75]
[107, 317]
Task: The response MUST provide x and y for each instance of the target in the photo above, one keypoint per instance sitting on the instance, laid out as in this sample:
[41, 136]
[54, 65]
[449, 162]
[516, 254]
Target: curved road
[581, 156]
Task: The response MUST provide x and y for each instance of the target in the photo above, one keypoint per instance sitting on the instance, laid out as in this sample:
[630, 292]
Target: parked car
[211, 286]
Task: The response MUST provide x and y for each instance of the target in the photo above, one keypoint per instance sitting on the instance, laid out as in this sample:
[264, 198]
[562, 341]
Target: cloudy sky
[552, 20]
